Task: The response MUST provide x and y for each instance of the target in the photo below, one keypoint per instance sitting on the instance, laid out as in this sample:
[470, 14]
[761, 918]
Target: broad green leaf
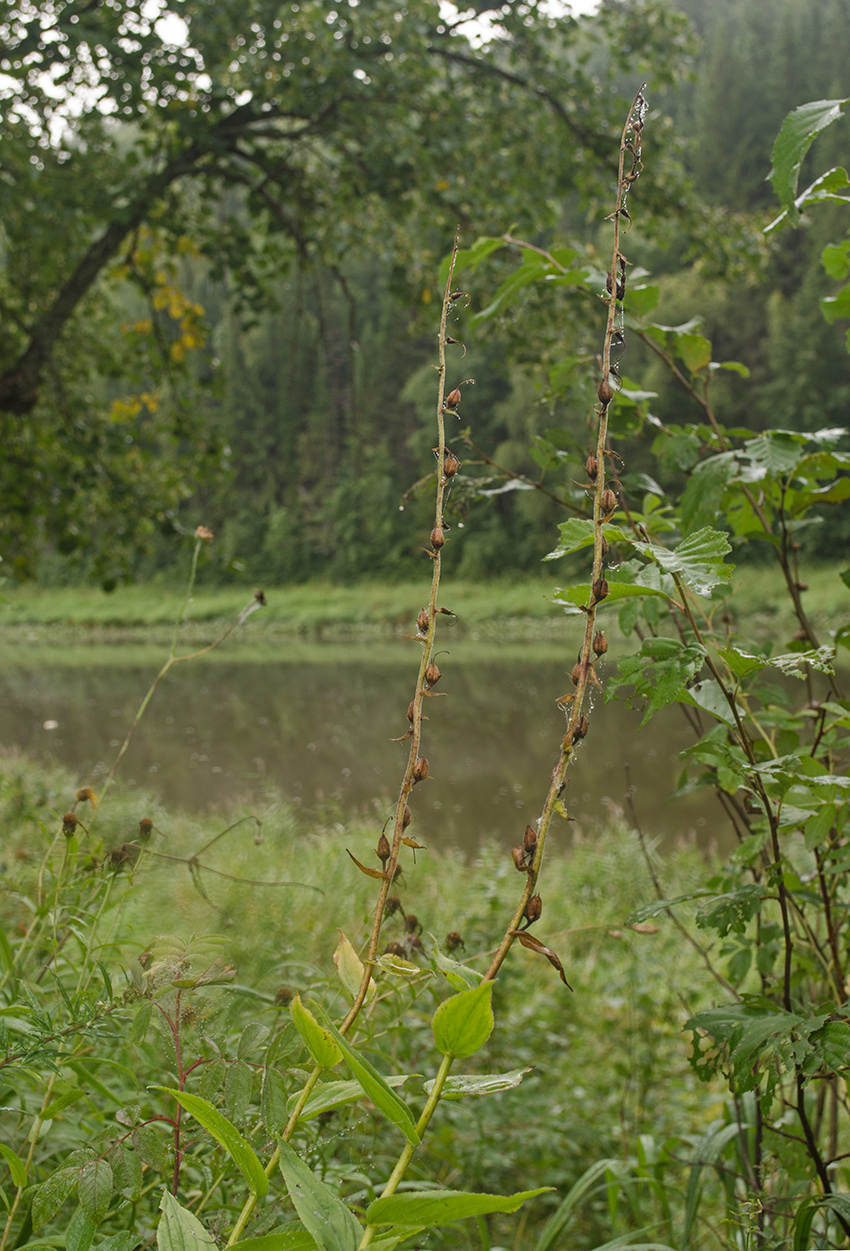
[350, 968]
[323, 1215]
[836, 307]
[463, 1023]
[647, 911]
[708, 695]
[835, 259]
[319, 1040]
[95, 1189]
[236, 1146]
[52, 1194]
[741, 663]
[578, 533]
[577, 596]
[294, 1238]
[694, 350]
[470, 258]
[238, 1083]
[273, 1101]
[377, 1088]
[63, 1101]
[16, 1165]
[641, 301]
[732, 911]
[698, 559]
[532, 271]
[442, 1207]
[329, 1095]
[793, 142]
[141, 1021]
[253, 1035]
[459, 1085]
[80, 1232]
[823, 189]
[180, 1230]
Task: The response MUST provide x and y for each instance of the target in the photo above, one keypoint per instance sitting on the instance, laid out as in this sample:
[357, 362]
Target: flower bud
[203, 533]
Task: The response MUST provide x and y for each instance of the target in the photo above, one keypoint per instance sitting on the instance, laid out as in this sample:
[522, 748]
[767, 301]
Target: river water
[314, 725]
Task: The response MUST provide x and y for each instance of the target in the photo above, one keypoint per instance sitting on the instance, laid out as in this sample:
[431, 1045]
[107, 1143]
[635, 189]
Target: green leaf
[350, 968]
[708, 695]
[694, 350]
[80, 1233]
[698, 559]
[459, 976]
[377, 1089]
[459, 1085]
[470, 258]
[237, 1147]
[16, 1165]
[273, 1101]
[237, 1088]
[141, 1021]
[52, 1194]
[741, 663]
[835, 259]
[442, 1207]
[324, 1215]
[579, 596]
[95, 1189]
[732, 911]
[578, 533]
[253, 1035]
[640, 301]
[335, 1094]
[793, 142]
[463, 1023]
[319, 1040]
[836, 307]
[294, 1238]
[647, 911]
[180, 1230]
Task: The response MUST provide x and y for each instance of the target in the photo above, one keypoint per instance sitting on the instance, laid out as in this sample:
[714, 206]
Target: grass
[497, 610]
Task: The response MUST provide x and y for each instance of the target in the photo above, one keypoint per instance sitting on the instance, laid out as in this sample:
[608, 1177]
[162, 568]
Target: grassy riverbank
[498, 610]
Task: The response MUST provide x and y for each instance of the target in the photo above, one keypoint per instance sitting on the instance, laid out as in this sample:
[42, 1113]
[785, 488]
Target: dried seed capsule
[581, 730]
[518, 854]
[411, 924]
[393, 905]
[453, 941]
[410, 711]
[575, 676]
[600, 590]
[591, 467]
[600, 643]
[604, 546]
[604, 391]
[382, 851]
[438, 539]
[145, 829]
[406, 818]
[533, 909]
[394, 949]
[420, 769]
[453, 398]
[529, 839]
[283, 998]
[450, 465]
[423, 620]
[432, 675]
[87, 794]
[609, 501]
[69, 824]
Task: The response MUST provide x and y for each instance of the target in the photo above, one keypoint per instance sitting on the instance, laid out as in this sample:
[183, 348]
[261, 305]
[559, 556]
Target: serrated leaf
[697, 559]
[95, 1189]
[443, 1207]
[350, 968]
[792, 664]
[463, 1023]
[320, 1211]
[376, 1087]
[180, 1230]
[319, 1040]
[795, 137]
[132, 1169]
[461, 1085]
[50, 1196]
[236, 1146]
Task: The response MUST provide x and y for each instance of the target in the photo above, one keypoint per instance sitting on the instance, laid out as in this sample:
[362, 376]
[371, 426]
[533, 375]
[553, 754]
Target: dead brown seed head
[204, 534]
[420, 769]
[453, 941]
[591, 467]
[69, 824]
[406, 818]
[283, 997]
[533, 909]
[394, 949]
[518, 856]
[450, 465]
[423, 620]
[608, 503]
[432, 675]
[87, 794]
[382, 851]
[453, 398]
[600, 590]
[604, 391]
[412, 924]
[529, 839]
[581, 729]
[438, 538]
[575, 676]
[393, 905]
[145, 829]
[600, 643]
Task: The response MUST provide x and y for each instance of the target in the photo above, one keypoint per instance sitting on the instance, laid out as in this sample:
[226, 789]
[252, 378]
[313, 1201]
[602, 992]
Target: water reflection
[318, 731]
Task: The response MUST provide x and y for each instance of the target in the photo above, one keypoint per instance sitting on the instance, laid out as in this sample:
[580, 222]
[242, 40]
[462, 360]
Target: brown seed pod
[87, 794]
[600, 590]
[260, 597]
[432, 675]
[453, 398]
[453, 941]
[533, 909]
[406, 817]
[393, 905]
[410, 711]
[575, 676]
[608, 503]
[604, 391]
[600, 643]
[581, 730]
[423, 621]
[529, 839]
[284, 997]
[69, 824]
[382, 851]
[604, 546]
[394, 949]
[145, 829]
[591, 466]
[518, 854]
[450, 465]
[412, 924]
[420, 769]
[438, 539]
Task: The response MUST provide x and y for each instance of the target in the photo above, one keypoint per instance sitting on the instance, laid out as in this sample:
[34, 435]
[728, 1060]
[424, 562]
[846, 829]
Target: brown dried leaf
[411, 842]
[644, 927]
[534, 944]
[369, 872]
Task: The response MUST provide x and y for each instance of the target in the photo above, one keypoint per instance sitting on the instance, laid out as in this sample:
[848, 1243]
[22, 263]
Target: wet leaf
[534, 944]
